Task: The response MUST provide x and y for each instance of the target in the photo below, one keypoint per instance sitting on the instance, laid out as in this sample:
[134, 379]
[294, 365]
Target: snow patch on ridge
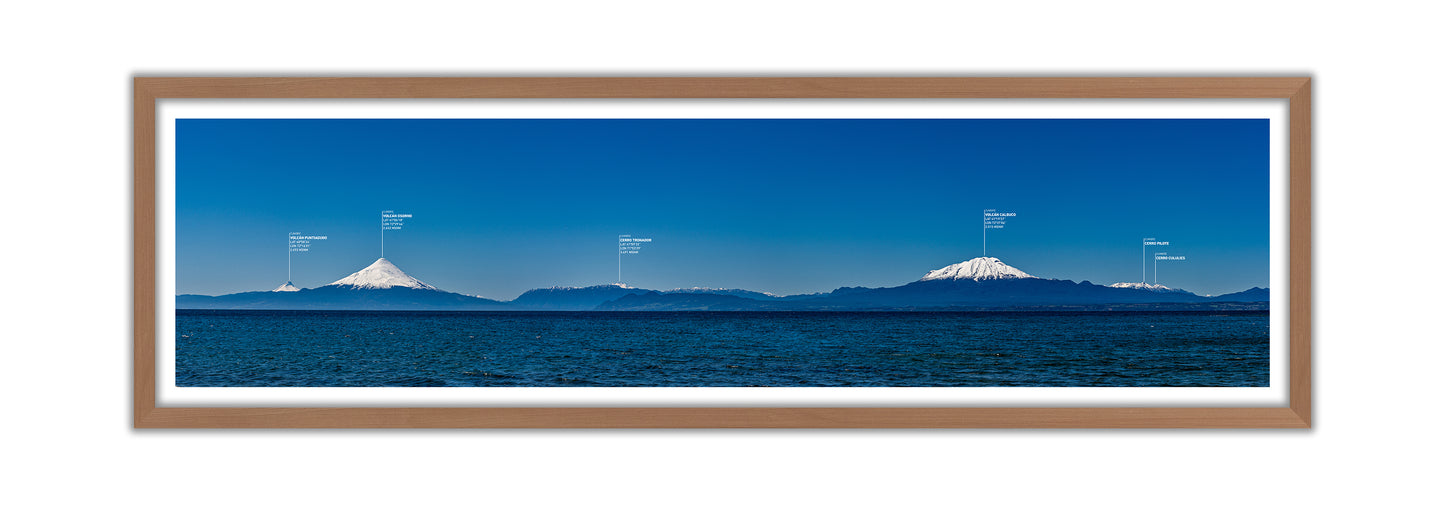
[706, 289]
[381, 274]
[1146, 286]
[560, 288]
[288, 287]
[980, 268]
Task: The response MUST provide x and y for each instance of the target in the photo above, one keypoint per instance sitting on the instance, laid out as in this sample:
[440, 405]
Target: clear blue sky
[785, 206]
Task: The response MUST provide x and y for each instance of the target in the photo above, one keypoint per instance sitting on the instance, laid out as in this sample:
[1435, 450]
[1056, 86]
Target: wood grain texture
[147, 90]
[653, 418]
[143, 276]
[1301, 267]
[721, 87]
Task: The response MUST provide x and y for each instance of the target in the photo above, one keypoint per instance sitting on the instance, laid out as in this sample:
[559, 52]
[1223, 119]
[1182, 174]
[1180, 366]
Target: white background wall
[66, 160]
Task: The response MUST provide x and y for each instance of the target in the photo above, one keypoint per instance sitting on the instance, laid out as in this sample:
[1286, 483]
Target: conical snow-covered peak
[980, 268]
[288, 287]
[379, 275]
[1145, 286]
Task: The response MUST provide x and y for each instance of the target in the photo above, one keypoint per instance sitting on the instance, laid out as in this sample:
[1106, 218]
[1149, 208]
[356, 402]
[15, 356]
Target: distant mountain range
[980, 283]
[1255, 294]
[573, 298]
[381, 285]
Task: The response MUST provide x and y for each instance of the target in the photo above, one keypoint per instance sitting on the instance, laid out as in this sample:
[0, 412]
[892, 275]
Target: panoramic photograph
[722, 253]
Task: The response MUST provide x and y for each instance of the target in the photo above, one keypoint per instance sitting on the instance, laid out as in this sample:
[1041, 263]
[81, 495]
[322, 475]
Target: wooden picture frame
[149, 90]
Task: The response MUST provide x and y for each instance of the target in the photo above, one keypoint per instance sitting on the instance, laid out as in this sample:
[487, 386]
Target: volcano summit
[381, 275]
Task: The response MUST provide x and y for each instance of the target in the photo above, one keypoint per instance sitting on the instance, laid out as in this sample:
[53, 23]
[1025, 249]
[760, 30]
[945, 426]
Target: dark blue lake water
[716, 349]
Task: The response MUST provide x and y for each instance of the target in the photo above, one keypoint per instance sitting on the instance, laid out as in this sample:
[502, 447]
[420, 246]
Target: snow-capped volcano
[381, 274]
[1146, 286]
[980, 268]
[288, 287]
